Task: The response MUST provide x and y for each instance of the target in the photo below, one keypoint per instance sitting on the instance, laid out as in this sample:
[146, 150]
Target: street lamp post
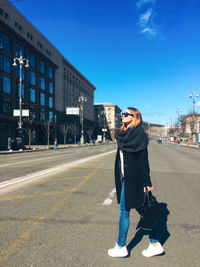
[192, 96]
[82, 99]
[104, 129]
[178, 112]
[22, 61]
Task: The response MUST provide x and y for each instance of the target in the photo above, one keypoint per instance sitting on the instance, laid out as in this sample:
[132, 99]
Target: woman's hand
[149, 188]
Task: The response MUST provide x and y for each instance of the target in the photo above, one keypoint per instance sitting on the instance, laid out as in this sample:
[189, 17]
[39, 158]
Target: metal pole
[82, 137]
[20, 97]
[104, 126]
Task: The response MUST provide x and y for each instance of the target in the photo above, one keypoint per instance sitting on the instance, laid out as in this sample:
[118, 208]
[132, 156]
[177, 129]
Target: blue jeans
[124, 221]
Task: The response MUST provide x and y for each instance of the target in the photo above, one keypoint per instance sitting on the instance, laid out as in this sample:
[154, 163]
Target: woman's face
[127, 119]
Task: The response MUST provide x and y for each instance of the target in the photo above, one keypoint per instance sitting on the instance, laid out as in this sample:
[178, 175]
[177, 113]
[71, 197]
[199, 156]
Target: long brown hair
[137, 119]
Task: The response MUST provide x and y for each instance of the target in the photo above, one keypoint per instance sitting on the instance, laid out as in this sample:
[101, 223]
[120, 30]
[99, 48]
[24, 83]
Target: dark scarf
[132, 140]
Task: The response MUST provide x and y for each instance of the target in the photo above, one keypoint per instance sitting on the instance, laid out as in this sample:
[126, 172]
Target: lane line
[40, 159]
[35, 155]
[108, 201]
[21, 162]
[51, 170]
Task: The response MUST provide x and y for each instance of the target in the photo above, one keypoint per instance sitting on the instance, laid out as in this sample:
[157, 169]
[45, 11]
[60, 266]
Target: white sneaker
[118, 252]
[153, 250]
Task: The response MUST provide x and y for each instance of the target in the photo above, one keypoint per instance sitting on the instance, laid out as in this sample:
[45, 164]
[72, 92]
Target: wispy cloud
[140, 3]
[146, 20]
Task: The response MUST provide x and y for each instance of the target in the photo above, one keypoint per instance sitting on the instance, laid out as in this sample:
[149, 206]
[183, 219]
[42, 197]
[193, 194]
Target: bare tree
[89, 131]
[47, 129]
[29, 129]
[65, 129]
[75, 130]
[183, 123]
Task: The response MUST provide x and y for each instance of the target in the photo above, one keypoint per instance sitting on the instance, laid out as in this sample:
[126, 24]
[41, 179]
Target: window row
[5, 87]
[5, 65]
[5, 44]
[6, 109]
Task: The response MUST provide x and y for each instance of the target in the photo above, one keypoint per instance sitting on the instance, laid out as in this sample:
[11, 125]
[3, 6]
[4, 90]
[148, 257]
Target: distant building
[189, 125]
[154, 129]
[49, 85]
[107, 117]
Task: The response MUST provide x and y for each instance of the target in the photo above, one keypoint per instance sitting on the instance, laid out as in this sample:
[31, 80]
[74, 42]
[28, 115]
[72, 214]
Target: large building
[49, 85]
[108, 119]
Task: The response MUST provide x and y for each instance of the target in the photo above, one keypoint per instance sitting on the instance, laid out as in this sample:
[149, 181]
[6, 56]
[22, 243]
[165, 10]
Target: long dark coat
[136, 176]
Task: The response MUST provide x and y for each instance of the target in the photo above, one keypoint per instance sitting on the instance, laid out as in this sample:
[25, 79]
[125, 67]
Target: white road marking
[34, 155]
[40, 159]
[108, 201]
[51, 170]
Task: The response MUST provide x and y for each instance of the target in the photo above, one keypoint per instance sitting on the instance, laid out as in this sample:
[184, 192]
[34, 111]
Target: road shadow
[160, 231]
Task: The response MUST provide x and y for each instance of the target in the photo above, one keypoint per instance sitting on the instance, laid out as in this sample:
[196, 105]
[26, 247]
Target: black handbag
[150, 212]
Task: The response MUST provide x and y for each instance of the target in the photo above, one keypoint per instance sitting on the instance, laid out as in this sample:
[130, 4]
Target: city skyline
[141, 53]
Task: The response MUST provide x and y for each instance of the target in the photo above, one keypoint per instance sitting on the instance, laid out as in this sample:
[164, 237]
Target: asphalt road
[59, 218]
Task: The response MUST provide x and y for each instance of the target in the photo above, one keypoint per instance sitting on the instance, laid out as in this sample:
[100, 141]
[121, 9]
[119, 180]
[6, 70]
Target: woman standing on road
[131, 178]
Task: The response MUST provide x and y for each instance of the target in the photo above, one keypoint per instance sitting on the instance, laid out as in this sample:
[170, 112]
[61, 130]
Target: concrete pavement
[60, 220]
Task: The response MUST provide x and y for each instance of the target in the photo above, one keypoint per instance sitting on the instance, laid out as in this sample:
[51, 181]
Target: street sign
[72, 111]
[25, 112]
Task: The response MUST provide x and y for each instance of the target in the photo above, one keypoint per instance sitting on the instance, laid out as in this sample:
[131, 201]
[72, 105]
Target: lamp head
[14, 63]
[27, 65]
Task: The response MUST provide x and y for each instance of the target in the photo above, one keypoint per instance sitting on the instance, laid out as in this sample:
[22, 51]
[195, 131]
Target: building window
[18, 71]
[18, 90]
[48, 52]
[18, 26]
[32, 78]
[41, 83]
[6, 15]
[50, 102]
[31, 59]
[51, 116]
[5, 63]
[39, 45]
[32, 96]
[33, 113]
[6, 106]
[42, 99]
[50, 72]
[42, 114]
[50, 87]
[5, 42]
[5, 84]
[19, 50]
[41, 67]
[1, 11]
[30, 36]
[55, 118]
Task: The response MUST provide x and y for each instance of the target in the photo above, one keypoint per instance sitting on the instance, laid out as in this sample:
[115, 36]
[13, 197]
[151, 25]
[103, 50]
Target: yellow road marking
[36, 222]
[59, 179]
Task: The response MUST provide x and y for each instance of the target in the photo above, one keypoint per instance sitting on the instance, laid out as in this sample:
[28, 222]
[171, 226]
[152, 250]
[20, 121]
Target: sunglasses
[126, 114]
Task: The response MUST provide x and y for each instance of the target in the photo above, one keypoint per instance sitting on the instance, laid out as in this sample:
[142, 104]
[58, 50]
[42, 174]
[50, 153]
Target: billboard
[72, 111]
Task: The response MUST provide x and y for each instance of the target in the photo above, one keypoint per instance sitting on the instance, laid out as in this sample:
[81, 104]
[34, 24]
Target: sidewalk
[183, 144]
[36, 148]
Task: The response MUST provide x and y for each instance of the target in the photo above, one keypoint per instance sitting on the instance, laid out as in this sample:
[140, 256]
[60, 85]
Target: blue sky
[140, 53]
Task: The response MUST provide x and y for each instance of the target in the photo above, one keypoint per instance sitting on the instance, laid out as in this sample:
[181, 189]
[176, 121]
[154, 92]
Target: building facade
[108, 119]
[48, 86]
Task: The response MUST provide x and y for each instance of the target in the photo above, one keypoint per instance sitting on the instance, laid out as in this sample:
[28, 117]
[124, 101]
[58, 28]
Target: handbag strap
[148, 197]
